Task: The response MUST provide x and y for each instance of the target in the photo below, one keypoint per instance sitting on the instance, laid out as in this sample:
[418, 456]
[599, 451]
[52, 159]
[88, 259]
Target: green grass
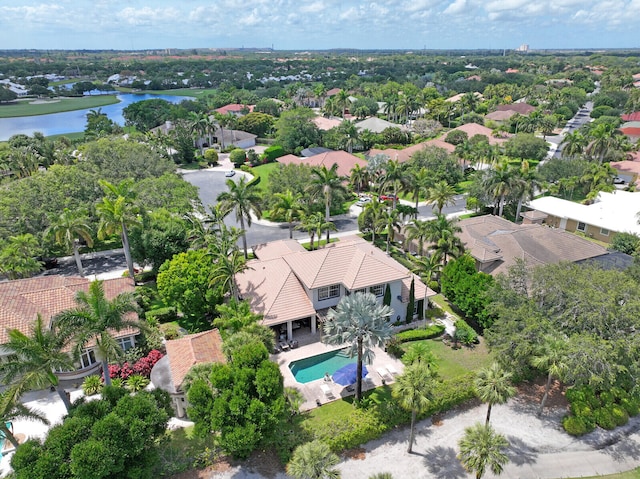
[180, 449]
[263, 171]
[344, 407]
[25, 108]
[635, 474]
[443, 304]
[464, 186]
[182, 92]
[454, 363]
[79, 135]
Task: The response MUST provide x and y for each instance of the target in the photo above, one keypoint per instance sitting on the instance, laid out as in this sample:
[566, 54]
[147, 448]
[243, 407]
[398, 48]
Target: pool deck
[312, 391]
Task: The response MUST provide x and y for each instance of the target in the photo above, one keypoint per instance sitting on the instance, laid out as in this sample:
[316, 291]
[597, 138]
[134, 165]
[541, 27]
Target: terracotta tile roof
[496, 243]
[458, 97]
[234, 108]
[631, 132]
[277, 249]
[326, 123]
[500, 115]
[472, 129]
[635, 116]
[21, 300]
[521, 108]
[345, 161]
[186, 352]
[333, 91]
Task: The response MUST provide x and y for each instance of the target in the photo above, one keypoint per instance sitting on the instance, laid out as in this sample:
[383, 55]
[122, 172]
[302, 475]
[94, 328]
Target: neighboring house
[610, 213]
[376, 125]
[496, 243]
[235, 109]
[345, 161]
[23, 299]
[332, 92]
[294, 288]
[238, 138]
[325, 124]
[182, 354]
[458, 97]
[519, 107]
[635, 116]
[631, 129]
[18, 89]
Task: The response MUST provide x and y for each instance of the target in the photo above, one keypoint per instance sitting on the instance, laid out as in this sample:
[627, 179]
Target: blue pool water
[315, 367]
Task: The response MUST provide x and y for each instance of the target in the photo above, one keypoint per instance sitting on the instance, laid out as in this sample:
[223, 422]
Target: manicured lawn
[443, 304]
[344, 407]
[457, 362]
[635, 474]
[263, 171]
[26, 108]
[182, 92]
[79, 135]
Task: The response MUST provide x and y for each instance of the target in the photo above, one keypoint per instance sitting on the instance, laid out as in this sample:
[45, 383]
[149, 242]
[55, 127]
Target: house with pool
[294, 288]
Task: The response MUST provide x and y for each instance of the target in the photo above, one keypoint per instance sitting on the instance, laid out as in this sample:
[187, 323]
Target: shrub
[92, 385]
[238, 157]
[170, 331]
[163, 315]
[418, 334]
[137, 383]
[630, 405]
[465, 333]
[350, 431]
[620, 415]
[211, 157]
[574, 426]
[394, 348]
[604, 418]
[450, 393]
[273, 152]
[435, 312]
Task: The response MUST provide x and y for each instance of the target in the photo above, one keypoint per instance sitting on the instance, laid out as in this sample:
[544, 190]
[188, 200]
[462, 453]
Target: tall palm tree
[418, 183]
[442, 233]
[428, 267]
[603, 141]
[549, 356]
[359, 178]
[18, 256]
[227, 267]
[392, 224]
[327, 182]
[418, 230]
[349, 135]
[414, 390]
[288, 207]
[244, 198]
[441, 194]
[12, 409]
[342, 101]
[493, 386]
[363, 324]
[117, 213]
[482, 448]
[573, 144]
[67, 229]
[198, 128]
[525, 184]
[95, 319]
[35, 358]
[394, 176]
[498, 182]
[311, 223]
[224, 121]
[375, 210]
[313, 460]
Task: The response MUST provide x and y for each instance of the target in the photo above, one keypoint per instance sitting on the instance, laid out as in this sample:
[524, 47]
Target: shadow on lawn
[519, 452]
[443, 463]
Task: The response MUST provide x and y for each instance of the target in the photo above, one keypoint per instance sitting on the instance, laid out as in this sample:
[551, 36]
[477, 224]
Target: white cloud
[457, 7]
[314, 7]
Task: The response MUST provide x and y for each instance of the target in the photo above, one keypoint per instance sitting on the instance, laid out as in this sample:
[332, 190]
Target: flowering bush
[142, 366]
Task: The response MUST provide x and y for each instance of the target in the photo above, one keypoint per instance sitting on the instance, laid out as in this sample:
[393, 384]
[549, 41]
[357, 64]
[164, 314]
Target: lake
[74, 121]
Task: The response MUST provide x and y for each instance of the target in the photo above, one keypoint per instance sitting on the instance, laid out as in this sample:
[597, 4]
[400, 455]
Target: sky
[318, 24]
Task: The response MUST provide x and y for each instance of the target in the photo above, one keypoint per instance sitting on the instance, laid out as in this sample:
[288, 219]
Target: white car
[363, 200]
[231, 173]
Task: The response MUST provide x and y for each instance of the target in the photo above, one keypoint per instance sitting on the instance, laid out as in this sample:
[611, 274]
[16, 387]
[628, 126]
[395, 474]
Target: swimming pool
[309, 369]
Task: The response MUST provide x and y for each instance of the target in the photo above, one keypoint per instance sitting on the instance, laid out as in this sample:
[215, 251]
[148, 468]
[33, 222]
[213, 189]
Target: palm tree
[573, 144]
[418, 183]
[414, 389]
[525, 185]
[95, 319]
[313, 460]
[428, 267]
[117, 213]
[498, 182]
[603, 141]
[35, 358]
[394, 176]
[482, 447]
[441, 194]
[362, 323]
[234, 316]
[418, 230]
[311, 223]
[359, 178]
[243, 197]
[375, 210]
[442, 233]
[18, 256]
[67, 228]
[224, 121]
[326, 182]
[342, 101]
[11, 409]
[349, 135]
[549, 356]
[391, 223]
[227, 267]
[288, 207]
[493, 386]
[198, 126]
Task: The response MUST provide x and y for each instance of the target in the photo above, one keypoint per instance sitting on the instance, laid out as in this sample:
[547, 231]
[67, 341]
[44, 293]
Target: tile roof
[521, 108]
[276, 249]
[345, 161]
[278, 287]
[635, 116]
[186, 352]
[500, 115]
[496, 243]
[21, 300]
[376, 125]
[327, 123]
[234, 108]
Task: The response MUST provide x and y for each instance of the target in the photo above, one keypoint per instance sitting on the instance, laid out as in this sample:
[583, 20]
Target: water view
[74, 121]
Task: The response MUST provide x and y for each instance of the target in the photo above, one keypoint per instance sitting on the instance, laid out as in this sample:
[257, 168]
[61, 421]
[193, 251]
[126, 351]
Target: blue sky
[318, 24]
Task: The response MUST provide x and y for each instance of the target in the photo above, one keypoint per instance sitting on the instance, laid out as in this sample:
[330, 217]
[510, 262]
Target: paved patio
[312, 391]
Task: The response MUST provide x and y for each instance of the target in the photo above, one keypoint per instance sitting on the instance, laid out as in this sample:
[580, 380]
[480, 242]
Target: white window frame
[584, 227]
[126, 343]
[604, 231]
[329, 292]
[87, 358]
[377, 292]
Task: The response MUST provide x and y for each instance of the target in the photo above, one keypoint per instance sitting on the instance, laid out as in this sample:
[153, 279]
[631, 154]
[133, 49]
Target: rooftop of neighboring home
[192, 349]
[519, 107]
[635, 116]
[345, 161]
[375, 124]
[326, 124]
[276, 283]
[630, 167]
[496, 243]
[611, 211]
[333, 91]
[21, 300]
[458, 97]
[500, 115]
[632, 132]
[234, 108]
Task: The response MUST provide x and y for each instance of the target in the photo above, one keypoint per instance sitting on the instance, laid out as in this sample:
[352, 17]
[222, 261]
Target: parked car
[231, 173]
[363, 200]
[388, 197]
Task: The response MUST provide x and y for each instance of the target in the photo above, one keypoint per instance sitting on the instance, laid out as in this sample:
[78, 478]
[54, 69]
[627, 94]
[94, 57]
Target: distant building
[524, 48]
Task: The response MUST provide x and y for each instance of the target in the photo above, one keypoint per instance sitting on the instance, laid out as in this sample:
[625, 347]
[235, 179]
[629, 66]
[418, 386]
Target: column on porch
[290, 330]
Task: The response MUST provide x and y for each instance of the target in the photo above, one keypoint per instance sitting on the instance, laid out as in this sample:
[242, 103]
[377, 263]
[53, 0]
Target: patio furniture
[326, 390]
[348, 374]
[384, 374]
[293, 343]
[284, 346]
[391, 368]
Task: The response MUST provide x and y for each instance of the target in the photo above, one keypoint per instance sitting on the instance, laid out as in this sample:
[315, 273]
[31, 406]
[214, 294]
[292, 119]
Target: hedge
[429, 332]
[163, 315]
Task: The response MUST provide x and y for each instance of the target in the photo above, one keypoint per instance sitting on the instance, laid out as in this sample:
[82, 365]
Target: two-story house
[294, 288]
